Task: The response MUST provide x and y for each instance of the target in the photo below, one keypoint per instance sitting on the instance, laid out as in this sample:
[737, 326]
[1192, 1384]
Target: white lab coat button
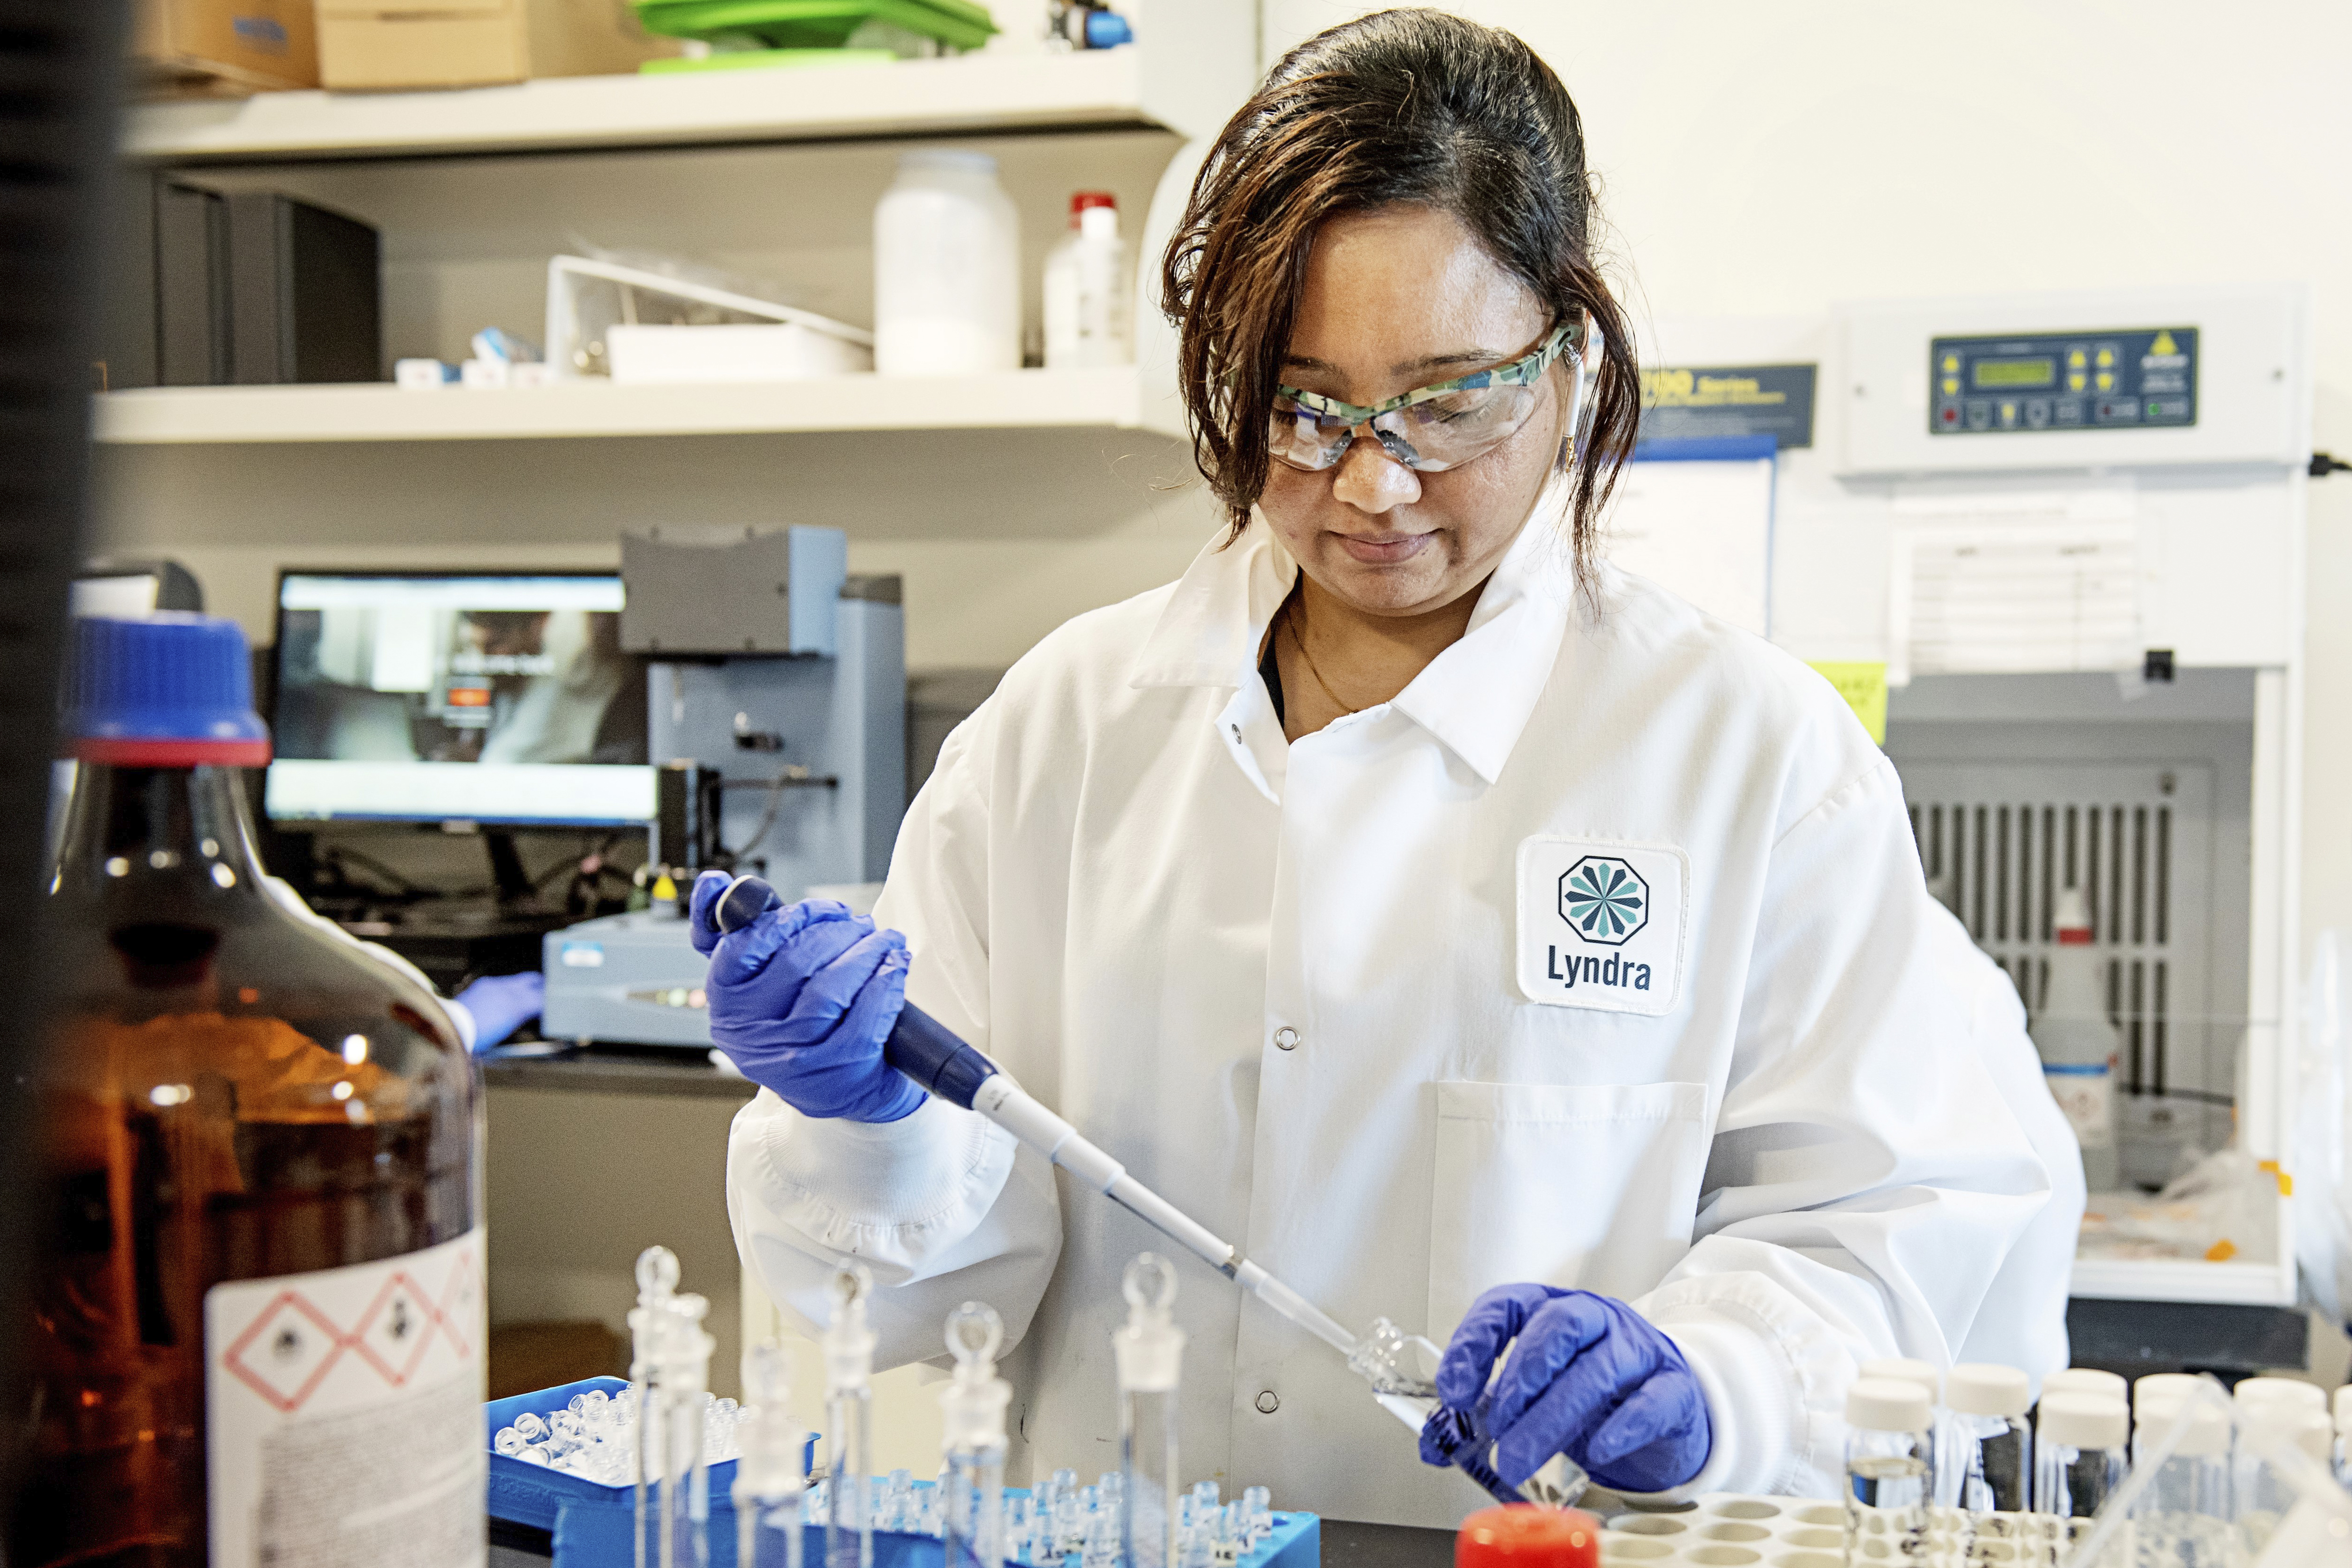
[1266, 1403]
[1287, 1038]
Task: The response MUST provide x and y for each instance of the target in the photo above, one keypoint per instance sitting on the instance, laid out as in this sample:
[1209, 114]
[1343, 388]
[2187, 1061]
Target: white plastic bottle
[2078, 1043]
[947, 269]
[1890, 1468]
[1089, 290]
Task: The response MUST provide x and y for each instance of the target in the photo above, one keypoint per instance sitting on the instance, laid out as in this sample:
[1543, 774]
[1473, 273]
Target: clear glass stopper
[656, 1273]
[974, 1334]
[1149, 1284]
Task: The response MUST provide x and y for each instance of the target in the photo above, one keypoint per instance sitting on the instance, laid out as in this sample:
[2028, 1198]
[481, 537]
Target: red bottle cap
[1521, 1535]
[1085, 199]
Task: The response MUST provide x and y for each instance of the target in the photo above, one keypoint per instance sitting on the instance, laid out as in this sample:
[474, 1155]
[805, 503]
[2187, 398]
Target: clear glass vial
[2079, 1459]
[2182, 1520]
[1989, 1445]
[1150, 1351]
[1890, 1467]
[971, 1513]
[848, 1346]
[768, 1484]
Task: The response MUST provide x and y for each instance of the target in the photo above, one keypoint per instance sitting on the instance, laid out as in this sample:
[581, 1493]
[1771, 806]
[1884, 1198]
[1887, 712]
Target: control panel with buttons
[2144, 377]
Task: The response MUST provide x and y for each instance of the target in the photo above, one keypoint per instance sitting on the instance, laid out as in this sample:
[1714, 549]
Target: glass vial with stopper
[848, 1346]
[1989, 1445]
[233, 1104]
[768, 1479]
[1890, 1468]
[1150, 1353]
[971, 1513]
[2183, 1516]
[656, 1283]
[685, 1509]
[1402, 1369]
[2079, 1457]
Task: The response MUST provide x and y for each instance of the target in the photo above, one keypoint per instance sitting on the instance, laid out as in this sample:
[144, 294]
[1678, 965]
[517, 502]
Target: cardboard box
[389, 45]
[241, 45]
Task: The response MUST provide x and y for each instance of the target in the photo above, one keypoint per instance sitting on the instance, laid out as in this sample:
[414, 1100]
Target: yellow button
[2075, 379]
[2107, 356]
[2106, 380]
[2074, 359]
[1951, 386]
[1951, 362]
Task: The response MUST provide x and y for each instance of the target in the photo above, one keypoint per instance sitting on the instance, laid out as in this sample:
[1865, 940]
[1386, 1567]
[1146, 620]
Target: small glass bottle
[1910, 1369]
[1989, 1447]
[236, 1108]
[848, 1346]
[972, 1514]
[2079, 1459]
[2182, 1520]
[648, 1321]
[1890, 1467]
[1150, 1351]
[685, 1391]
[2087, 1379]
[768, 1484]
[2261, 1495]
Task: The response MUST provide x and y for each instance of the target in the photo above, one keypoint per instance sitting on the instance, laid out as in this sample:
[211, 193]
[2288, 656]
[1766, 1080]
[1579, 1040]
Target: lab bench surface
[618, 1069]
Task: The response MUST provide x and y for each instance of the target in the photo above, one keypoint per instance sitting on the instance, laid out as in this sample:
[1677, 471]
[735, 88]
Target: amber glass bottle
[260, 1318]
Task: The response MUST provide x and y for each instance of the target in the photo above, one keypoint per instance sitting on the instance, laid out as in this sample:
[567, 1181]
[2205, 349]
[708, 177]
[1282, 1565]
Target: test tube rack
[1724, 1530]
[591, 1523]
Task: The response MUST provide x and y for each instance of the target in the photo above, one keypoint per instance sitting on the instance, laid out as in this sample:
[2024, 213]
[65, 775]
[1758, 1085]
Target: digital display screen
[2005, 373]
[496, 699]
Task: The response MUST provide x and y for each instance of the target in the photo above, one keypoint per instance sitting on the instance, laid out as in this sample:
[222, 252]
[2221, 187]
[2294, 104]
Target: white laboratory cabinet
[2025, 505]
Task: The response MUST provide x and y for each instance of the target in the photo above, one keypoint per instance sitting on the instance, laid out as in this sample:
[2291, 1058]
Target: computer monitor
[496, 698]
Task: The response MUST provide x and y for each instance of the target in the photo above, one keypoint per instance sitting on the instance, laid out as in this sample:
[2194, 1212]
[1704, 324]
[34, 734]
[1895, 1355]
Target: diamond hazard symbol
[393, 1334]
[286, 1352]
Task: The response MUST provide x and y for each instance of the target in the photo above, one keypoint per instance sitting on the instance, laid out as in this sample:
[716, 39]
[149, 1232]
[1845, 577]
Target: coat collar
[1477, 697]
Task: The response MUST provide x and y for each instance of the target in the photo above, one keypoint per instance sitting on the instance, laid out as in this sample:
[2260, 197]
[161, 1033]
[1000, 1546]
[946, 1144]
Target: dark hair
[1408, 106]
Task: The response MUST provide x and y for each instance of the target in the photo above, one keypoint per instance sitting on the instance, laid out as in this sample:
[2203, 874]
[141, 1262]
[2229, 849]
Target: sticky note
[1864, 686]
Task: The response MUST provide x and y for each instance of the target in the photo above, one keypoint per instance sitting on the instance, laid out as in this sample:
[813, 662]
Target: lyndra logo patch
[1605, 899]
[1601, 923]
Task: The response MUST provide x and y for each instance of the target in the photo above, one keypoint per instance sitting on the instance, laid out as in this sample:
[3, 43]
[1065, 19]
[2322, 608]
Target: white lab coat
[1822, 1137]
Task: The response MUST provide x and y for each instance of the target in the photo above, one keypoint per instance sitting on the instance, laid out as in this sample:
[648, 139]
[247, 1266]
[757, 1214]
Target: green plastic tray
[816, 24]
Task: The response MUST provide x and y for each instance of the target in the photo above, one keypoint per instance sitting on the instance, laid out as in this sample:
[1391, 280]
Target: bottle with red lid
[2078, 1042]
[259, 1318]
[1089, 289]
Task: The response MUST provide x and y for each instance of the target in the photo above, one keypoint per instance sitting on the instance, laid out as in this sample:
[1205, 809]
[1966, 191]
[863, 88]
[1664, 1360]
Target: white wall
[1774, 160]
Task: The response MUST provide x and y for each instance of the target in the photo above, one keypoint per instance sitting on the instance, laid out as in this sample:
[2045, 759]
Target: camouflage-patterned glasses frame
[1432, 429]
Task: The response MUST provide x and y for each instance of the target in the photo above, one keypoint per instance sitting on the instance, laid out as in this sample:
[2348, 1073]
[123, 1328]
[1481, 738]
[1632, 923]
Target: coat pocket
[1594, 1186]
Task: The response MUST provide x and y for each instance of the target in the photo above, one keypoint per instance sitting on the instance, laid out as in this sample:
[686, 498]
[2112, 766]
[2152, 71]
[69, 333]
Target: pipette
[926, 1051]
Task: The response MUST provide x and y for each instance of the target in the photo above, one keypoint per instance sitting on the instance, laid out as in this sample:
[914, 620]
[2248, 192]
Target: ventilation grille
[2001, 843]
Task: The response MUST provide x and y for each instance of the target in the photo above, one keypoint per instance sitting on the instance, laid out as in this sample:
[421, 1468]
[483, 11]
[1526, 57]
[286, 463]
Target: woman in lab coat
[1481, 937]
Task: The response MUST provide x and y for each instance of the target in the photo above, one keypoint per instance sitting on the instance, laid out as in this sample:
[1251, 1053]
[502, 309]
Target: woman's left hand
[1588, 1377]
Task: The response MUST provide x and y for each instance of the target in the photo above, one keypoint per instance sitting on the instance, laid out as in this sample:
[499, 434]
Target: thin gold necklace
[1291, 620]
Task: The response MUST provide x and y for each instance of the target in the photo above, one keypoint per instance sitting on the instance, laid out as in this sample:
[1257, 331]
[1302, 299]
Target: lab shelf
[980, 94]
[2159, 1280]
[1027, 399]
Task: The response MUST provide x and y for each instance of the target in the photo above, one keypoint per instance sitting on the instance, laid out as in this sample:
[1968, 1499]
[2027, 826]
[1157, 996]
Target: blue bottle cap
[167, 691]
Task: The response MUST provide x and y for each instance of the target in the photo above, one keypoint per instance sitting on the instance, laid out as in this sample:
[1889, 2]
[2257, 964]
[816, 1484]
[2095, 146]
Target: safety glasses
[1435, 428]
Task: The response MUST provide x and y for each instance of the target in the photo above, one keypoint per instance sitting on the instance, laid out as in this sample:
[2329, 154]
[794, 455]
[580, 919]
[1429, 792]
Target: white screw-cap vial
[2209, 1428]
[2288, 1392]
[1887, 1404]
[2163, 1385]
[2084, 1421]
[1903, 1369]
[2087, 1379]
[1980, 1388]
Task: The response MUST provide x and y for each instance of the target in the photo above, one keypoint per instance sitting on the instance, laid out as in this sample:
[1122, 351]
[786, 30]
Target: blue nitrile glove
[1589, 1377]
[800, 1001]
[501, 1003]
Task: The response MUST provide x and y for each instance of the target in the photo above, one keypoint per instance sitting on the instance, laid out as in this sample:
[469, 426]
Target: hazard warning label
[344, 1415]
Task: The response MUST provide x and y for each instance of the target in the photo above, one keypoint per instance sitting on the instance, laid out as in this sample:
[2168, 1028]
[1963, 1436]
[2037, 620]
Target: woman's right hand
[802, 1000]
